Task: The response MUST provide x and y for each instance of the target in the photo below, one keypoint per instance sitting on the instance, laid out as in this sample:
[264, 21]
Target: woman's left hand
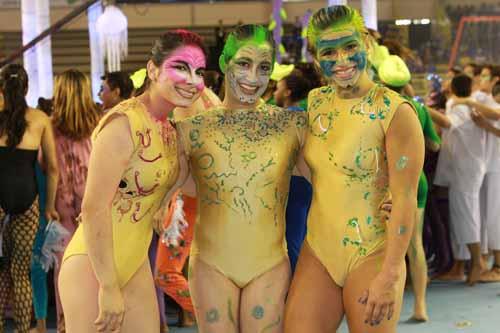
[51, 214]
[379, 299]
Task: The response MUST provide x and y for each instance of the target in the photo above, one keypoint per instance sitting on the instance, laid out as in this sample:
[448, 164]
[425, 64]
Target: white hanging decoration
[113, 36]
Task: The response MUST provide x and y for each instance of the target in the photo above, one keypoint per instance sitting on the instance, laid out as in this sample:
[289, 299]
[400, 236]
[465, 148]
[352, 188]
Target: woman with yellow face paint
[364, 141]
[241, 156]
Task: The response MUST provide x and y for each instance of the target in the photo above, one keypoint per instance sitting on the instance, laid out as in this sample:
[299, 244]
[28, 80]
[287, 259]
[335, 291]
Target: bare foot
[474, 275]
[187, 319]
[41, 326]
[484, 265]
[164, 328]
[491, 276]
[420, 313]
[418, 319]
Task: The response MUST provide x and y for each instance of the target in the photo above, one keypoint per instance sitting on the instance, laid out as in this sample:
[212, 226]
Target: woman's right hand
[111, 309]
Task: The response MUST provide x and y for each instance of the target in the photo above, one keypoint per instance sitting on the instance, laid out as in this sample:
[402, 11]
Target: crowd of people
[292, 192]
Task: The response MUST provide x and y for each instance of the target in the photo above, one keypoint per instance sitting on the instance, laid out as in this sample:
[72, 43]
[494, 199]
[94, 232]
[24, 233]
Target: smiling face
[249, 72]
[342, 56]
[180, 77]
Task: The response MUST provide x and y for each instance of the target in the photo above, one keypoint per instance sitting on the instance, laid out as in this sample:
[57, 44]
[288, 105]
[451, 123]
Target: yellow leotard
[242, 162]
[152, 170]
[345, 150]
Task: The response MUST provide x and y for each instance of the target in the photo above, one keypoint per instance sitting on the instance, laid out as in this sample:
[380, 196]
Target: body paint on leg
[258, 312]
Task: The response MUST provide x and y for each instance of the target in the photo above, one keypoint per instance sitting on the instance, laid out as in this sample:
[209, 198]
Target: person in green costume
[394, 73]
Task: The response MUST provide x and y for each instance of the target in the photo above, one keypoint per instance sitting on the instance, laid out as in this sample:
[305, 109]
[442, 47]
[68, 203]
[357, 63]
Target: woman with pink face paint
[134, 164]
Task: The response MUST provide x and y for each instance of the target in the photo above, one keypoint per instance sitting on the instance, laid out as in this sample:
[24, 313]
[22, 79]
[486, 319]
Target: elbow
[53, 170]
[92, 211]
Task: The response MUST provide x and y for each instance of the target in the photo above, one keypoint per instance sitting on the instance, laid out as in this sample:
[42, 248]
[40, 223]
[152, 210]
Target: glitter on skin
[258, 312]
[212, 316]
[402, 230]
[402, 163]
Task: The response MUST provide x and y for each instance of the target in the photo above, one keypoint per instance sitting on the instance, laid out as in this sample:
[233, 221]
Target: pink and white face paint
[181, 76]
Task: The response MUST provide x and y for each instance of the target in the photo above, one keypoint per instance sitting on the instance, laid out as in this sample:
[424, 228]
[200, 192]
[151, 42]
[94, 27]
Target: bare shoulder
[35, 114]
[116, 125]
[37, 119]
[114, 136]
[406, 110]
[405, 121]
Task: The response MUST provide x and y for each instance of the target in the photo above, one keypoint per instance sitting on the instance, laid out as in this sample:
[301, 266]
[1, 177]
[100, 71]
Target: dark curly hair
[14, 86]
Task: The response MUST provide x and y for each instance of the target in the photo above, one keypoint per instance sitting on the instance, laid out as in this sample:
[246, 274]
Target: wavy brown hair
[75, 113]
[13, 86]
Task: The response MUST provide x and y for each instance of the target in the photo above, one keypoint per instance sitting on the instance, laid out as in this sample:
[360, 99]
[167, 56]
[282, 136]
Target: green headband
[232, 45]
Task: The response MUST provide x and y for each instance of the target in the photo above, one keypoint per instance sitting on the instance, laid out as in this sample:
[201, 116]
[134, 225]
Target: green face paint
[342, 56]
[233, 44]
[249, 72]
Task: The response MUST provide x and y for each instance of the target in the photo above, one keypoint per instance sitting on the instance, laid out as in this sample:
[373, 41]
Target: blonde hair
[330, 17]
[75, 113]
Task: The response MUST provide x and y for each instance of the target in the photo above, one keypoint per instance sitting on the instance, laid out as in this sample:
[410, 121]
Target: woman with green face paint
[241, 155]
[364, 142]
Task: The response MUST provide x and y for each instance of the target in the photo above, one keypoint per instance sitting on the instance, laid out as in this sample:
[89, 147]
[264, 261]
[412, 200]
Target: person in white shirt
[487, 116]
[467, 170]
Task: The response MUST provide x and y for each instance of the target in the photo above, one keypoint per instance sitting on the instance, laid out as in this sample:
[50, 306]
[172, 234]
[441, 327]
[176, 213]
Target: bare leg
[456, 273]
[216, 299]
[80, 301]
[418, 270]
[356, 284]
[41, 326]
[493, 275]
[475, 270]
[262, 306]
[314, 303]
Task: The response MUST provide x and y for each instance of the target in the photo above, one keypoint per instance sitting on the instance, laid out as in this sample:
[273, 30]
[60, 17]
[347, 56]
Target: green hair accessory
[139, 77]
[379, 54]
[281, 71]
[394, 72]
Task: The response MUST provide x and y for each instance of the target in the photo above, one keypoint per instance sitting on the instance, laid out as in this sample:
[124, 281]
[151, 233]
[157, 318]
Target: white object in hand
[173, 233]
